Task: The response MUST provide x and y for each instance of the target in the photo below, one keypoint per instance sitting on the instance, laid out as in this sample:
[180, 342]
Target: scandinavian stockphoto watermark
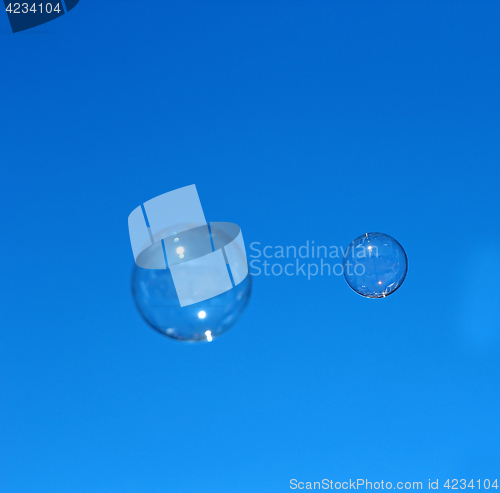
[365, 484]
[170, 232]
[358, 484]
[308, 260]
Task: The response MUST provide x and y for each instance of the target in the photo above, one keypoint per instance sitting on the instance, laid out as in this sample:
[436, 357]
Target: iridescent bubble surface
[157, 301]
[375, 265]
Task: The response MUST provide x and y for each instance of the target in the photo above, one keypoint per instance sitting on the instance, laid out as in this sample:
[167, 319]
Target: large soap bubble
[158, 302]
[375, 265]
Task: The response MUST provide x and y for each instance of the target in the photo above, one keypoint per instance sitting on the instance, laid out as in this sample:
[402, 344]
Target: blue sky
[298, 121]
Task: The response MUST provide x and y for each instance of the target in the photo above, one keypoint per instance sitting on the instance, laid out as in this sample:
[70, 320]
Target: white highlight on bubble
[208, 333]
[180, 250]
[202, 314]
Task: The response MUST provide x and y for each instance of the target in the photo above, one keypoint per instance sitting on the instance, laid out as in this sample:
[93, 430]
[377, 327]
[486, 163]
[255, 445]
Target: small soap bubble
[375, 265]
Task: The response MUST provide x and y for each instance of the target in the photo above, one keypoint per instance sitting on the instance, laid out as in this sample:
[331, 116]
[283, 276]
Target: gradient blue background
[299, 121]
